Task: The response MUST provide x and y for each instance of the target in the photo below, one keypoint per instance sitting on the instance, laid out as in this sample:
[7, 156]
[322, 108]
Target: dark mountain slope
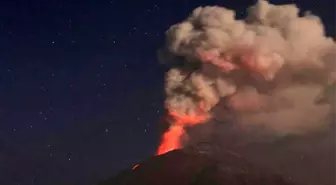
[188, 167]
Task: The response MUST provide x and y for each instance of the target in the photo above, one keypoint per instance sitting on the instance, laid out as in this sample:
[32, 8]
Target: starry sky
[81, 90]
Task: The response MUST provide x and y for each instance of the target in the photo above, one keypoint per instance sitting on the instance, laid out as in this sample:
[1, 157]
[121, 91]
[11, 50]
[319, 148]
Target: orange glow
[135, 166]
[246, 59]
[171, 138]
[223, 64]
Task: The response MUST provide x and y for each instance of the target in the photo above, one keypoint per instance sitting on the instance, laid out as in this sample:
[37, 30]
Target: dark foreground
[188, 167]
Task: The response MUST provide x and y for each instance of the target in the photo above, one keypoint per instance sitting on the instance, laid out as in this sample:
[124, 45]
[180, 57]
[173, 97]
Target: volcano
[190, 167]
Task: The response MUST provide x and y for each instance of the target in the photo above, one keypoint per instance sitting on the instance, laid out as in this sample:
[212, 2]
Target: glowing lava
[171, 138]
[135, 166]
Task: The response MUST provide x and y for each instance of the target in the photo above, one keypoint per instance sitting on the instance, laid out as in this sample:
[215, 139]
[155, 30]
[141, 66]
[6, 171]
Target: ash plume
[266, 85]
[270, 69]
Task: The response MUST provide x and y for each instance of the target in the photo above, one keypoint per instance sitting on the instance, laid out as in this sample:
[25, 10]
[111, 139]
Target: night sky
[81, 90]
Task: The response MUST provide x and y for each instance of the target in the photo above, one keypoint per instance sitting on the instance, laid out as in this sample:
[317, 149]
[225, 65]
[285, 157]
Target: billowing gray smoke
[268, 75]
[270, 68]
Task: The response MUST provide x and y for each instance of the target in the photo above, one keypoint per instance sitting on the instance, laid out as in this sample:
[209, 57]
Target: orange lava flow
[135, 166]
[171, 138]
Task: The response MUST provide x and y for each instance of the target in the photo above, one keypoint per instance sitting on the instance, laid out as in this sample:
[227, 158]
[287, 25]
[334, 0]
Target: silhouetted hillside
[187, 167]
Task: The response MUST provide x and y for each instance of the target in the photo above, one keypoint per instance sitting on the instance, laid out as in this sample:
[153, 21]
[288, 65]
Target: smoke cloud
[267, 83]
[269, 70]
